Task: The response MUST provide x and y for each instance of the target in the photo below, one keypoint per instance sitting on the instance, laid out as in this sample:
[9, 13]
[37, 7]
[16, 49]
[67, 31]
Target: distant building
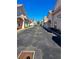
[33, 23]
[46, 24]
[45, 19]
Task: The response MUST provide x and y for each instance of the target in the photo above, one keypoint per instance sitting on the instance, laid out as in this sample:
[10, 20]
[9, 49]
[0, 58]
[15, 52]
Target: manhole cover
[26, 55]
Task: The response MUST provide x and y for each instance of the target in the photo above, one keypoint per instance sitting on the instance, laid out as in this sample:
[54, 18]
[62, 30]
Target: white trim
[27, 51]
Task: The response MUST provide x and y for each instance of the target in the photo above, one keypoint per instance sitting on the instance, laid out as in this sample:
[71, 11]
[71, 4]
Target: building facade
[22, 20]
[54, 16]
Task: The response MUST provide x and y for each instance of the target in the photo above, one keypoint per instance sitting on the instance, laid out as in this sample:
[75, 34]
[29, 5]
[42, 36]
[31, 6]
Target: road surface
[38, 40]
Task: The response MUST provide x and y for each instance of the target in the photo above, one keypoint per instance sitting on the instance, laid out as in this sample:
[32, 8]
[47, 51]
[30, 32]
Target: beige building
[47, 21]
[55, 16]
[21, 16]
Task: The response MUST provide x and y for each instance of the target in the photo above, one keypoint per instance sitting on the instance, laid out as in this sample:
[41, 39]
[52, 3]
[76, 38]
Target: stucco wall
[57, 20]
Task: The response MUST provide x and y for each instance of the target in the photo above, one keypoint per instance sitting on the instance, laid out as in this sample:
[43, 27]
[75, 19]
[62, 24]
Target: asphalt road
[40, 41]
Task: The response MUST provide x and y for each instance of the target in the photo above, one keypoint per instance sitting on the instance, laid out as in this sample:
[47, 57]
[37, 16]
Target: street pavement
[39, 40]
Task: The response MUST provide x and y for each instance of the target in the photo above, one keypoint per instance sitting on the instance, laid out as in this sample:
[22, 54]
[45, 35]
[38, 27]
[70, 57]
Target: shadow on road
[57, 32]
[57, 39]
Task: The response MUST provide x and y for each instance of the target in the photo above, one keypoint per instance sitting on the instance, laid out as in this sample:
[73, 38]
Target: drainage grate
[26, 55]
